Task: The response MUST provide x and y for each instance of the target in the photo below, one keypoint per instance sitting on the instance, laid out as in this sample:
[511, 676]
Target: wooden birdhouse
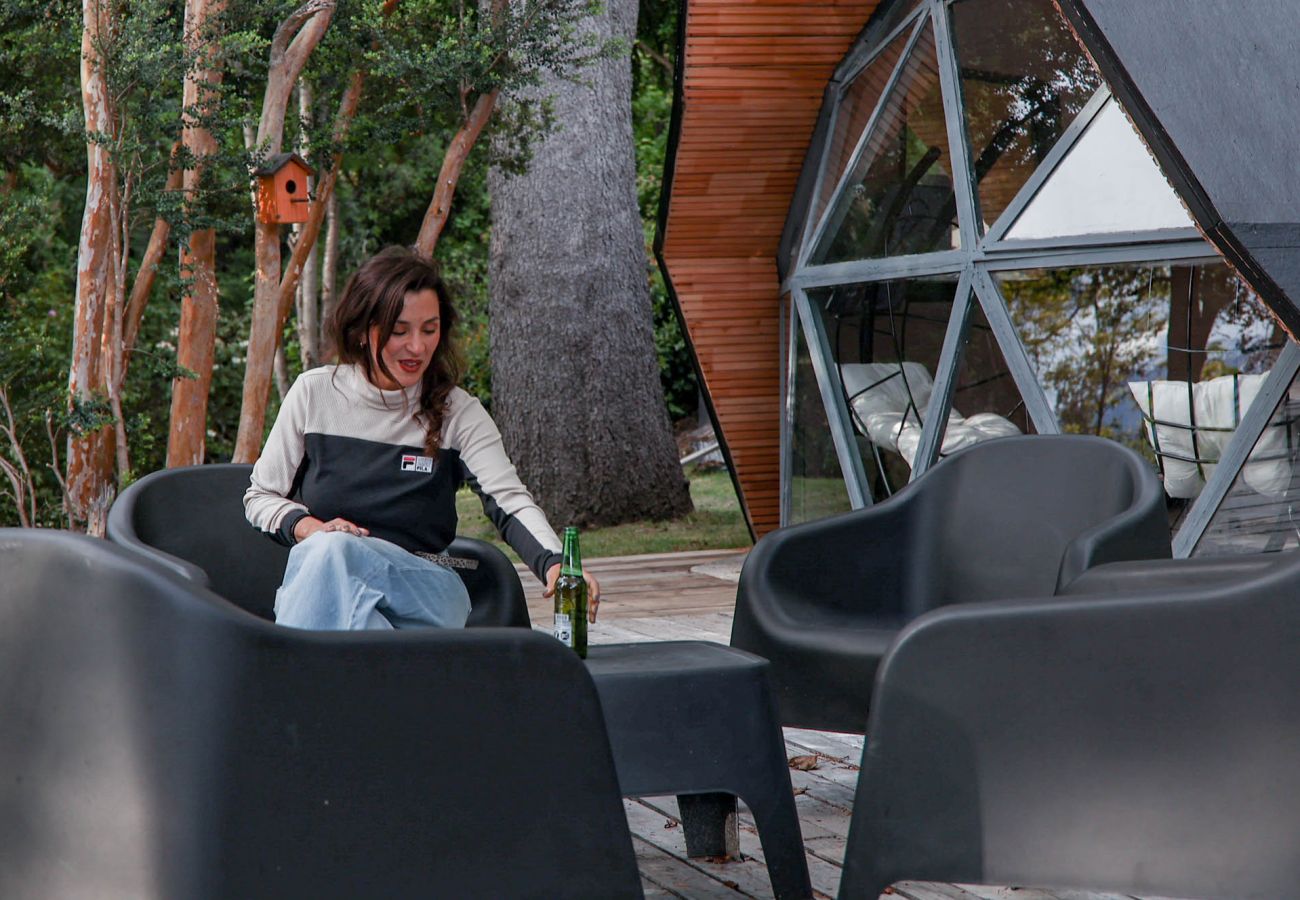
[282, 189]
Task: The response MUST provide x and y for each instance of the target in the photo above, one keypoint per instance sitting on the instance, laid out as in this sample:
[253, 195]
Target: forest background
[382, 194]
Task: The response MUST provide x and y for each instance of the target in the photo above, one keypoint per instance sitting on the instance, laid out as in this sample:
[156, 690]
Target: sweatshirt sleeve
[266, 502]
[490, 474]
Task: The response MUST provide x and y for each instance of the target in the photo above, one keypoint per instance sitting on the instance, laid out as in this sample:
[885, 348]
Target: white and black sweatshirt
[342, 447]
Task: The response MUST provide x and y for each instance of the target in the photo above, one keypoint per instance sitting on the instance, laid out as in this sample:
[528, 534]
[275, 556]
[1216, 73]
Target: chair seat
[191, 520]
[1138, 740]
[156, 742]
[1017, 517]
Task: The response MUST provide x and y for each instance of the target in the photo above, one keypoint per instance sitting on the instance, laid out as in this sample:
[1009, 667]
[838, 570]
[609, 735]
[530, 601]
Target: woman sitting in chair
[360, 471]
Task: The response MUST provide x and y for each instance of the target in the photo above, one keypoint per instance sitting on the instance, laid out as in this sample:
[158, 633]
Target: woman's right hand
[309, 525]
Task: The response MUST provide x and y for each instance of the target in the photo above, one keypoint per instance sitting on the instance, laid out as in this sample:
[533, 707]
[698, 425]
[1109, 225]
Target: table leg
[709, 823]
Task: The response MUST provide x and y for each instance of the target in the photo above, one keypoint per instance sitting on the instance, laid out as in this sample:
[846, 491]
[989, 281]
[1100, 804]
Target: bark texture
[90, 483]
[575, 379]
[196, 342]
[329, 277]
[307, 300]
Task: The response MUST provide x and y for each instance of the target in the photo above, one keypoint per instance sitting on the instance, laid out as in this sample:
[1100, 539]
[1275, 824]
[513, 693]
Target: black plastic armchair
[192, 521]
[1138, 736]
[157, 742]
[1015, 517]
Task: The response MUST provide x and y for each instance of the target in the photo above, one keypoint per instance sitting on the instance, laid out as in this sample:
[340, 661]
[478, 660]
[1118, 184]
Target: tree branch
[663, 61]
[453, 163]
[316, 212]
[307, 25]
[20, 476]
[287, 31]
[56, 468]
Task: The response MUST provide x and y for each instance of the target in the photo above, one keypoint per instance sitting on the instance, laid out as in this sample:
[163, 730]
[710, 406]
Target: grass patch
[716, 524]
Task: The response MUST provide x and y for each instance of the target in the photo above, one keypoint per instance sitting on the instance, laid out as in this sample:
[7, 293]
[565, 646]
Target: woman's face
[409, 349]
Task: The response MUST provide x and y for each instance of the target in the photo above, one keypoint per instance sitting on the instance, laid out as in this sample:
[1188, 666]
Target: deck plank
[650, 824]
[824, 874]
[691, 596]
[672, 877]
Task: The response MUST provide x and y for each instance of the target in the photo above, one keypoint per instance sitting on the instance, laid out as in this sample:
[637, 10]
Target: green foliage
[652, 104]
[35, 325]
[428, 62]
[40, 106]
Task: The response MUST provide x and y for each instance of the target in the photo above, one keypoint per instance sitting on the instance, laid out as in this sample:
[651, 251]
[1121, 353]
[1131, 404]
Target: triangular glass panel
[885, 339]
[1258, 513]
[888, 15]
[1024, 79]
[817, 487]
[857, 102]
[1163, 358]
[1107, 183]
[986, 403]
[898, 196]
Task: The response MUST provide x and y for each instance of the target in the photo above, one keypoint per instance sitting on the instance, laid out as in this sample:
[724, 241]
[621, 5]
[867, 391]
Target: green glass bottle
[571, 597]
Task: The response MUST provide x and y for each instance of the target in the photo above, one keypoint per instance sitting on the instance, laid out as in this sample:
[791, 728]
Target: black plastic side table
[694, 717]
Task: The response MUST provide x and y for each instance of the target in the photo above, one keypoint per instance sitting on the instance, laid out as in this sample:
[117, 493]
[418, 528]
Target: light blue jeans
[336, 581]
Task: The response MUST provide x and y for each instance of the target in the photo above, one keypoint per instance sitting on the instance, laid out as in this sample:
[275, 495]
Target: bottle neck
[571, 564]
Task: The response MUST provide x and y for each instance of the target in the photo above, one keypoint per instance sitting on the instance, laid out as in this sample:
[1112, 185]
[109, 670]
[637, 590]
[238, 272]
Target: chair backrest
[196, 514]
[1137, 742]
[192, 520]
[1012, 517]
[157, 743]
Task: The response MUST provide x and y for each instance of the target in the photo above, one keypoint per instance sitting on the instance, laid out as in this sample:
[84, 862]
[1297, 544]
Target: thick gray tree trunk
[575, 379]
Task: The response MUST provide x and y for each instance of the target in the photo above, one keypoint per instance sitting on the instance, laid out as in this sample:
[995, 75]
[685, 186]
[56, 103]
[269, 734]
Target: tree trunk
[262, 338]
[292, 44]
[575, 379]
[196, 343]
[308, 295]
[89, 480]
[281, 371]
[187, 439]
[329, 276]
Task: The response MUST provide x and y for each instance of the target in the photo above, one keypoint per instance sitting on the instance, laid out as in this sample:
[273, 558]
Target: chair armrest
[1140, 532]
[1085, 739]
[858, 560]
[496, 594]
[121, 532]
[1142, 576]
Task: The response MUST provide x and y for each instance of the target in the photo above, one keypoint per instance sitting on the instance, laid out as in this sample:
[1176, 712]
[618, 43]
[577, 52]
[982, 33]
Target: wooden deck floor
[690, 596]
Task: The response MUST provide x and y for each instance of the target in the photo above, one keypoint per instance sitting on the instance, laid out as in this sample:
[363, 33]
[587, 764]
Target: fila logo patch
[413, 463]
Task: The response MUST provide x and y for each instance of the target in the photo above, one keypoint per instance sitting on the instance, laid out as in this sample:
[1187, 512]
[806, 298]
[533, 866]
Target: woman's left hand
[593, 589]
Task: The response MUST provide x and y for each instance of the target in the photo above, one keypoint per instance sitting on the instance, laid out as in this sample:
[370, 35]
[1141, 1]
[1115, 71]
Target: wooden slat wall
[754, 72]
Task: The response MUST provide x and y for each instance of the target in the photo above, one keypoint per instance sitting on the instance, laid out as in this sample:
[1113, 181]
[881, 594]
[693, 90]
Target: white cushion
[883, 428]
[961, 433]
[1215, 405]
[881, 409]
[1169, 399]
[991, 425]
[882, 387]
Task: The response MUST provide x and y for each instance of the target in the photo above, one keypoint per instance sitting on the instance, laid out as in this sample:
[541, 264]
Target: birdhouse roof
[275, 163]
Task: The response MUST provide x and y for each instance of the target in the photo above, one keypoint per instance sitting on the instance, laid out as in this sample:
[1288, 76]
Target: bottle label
[564, 629]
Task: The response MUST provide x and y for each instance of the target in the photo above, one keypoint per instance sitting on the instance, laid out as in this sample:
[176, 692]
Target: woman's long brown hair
[374, 297]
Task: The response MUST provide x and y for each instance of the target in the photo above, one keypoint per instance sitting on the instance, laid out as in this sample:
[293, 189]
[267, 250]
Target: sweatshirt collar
[405, 398]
